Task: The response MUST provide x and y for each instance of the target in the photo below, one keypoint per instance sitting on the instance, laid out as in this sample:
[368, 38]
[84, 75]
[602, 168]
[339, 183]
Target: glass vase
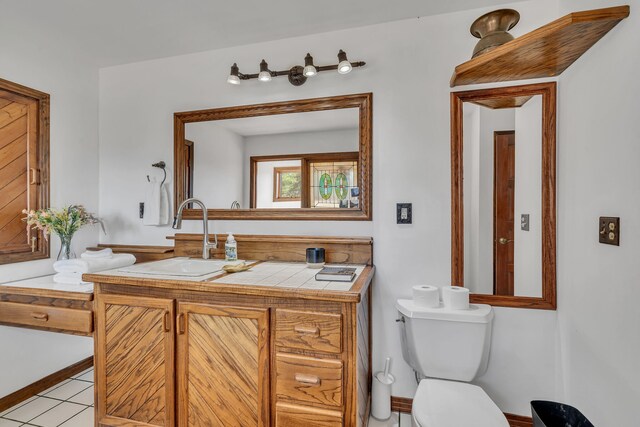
[65, 248]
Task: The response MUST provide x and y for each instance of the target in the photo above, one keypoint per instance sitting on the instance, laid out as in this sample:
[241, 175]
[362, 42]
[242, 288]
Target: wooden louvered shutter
[23, 169]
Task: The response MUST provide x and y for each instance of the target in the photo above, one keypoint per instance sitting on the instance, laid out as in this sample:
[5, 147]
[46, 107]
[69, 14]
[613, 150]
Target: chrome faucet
[206, 243]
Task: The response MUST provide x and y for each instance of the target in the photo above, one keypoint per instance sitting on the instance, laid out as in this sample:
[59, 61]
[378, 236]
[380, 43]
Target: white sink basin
[182, 267]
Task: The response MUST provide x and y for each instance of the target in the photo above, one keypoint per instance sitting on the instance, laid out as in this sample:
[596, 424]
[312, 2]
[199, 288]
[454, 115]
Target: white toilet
[449, 348]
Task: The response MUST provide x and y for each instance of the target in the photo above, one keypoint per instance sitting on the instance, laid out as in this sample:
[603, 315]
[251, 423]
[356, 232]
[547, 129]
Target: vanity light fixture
[265, 73]
[309, 68]
[233, 76]
[344, 66]
[297, 74]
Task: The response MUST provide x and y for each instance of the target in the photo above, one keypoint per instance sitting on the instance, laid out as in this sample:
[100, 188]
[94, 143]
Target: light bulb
[264, 76]
[344, 67]
[233, 78]
[309, 71]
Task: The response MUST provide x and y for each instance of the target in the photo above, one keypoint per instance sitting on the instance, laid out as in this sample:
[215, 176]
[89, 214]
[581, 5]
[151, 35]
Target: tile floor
[70, 404]
[67, 404]
[398, 419]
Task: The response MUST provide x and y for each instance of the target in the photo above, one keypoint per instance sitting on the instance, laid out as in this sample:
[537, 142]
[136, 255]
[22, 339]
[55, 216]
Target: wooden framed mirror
[238, 155]
[503, 195]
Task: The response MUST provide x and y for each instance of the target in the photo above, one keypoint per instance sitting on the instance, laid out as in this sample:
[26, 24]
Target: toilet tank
[443, 343]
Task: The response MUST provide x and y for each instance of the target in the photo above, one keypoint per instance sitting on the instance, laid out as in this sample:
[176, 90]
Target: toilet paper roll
[426, 296]
[455, 297]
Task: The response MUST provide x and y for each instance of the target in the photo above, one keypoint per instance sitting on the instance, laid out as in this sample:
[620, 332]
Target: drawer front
[296, 416]
[47, 318]
[309, 331]
[308, 380]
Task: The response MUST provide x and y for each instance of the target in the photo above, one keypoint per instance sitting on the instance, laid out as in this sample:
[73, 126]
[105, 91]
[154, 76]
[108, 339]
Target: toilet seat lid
[442, 403]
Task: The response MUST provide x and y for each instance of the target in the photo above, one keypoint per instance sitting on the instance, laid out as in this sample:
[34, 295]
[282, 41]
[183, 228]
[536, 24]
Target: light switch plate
[403, 213]
[609, 230]
[524, 222]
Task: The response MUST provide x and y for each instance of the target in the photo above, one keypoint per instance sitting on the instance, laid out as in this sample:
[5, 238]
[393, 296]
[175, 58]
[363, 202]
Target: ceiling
[115, 32]
[315, 121]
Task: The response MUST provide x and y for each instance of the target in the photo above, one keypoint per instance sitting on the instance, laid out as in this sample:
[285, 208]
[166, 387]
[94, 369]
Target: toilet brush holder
[381, 395]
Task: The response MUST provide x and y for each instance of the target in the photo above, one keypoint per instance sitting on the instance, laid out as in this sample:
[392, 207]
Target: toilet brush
[381, 392]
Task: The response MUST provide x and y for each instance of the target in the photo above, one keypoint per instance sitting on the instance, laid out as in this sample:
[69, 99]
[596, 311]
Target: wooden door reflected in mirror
[503, 149]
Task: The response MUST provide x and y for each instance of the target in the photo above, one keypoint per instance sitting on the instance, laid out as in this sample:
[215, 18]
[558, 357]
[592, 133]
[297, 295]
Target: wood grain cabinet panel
[295, 416]
[309, 331]
[309, 380]
[24, 170]
[49, 318]
[223, 366]
[134, 361]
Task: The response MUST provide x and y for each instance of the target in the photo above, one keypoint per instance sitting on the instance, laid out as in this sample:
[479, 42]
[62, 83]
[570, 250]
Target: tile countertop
[293, 275]
[46, 283]
[267, 278]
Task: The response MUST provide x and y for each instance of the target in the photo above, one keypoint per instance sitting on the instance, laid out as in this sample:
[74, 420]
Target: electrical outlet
[403, 213]
[524, 222]
[141, 209]
[609, 230]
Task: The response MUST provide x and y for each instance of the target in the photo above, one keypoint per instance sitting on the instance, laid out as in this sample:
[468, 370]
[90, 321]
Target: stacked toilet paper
[426, 296]
[453, 297]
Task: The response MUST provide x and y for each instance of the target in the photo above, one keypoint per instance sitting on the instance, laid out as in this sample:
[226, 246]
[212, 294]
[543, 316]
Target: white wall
[217, 169]
[330, 141]
[411, 163]
[598, 175]
[471, 205]
[528, 199]
[26, 355]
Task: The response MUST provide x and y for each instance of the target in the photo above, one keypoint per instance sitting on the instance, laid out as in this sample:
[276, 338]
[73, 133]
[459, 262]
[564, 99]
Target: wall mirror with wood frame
[302, 160]
[24, 170]
[503, 166]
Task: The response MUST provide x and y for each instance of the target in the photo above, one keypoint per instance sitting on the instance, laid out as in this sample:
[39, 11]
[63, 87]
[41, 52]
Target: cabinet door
[223, 366]
[134, 348]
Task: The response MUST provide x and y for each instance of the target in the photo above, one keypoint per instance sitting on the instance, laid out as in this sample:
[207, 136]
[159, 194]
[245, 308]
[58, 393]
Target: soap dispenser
[231, 249]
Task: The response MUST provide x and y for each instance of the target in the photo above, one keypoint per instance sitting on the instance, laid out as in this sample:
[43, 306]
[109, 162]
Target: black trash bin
[554, 414]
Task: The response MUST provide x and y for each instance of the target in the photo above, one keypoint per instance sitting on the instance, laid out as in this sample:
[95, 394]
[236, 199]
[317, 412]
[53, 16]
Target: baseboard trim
[42, 384]
[518, 420]
[403, 404]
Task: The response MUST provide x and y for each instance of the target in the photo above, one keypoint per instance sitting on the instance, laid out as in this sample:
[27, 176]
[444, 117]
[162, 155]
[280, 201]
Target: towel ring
[160, 165]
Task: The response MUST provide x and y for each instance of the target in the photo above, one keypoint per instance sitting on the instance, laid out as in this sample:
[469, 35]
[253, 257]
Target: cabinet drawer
[48, 318]
[296, 416]
[309, 331]
[308, 380]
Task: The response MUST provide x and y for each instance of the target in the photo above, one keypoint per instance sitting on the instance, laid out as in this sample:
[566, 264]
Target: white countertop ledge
[46, 282]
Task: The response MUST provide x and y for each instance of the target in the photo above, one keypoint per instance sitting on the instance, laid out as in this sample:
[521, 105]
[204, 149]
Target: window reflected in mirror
[287, 184]
[317, 180]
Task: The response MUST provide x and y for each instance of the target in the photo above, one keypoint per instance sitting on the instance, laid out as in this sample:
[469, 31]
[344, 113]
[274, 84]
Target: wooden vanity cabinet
[176, 357]
[223, 365]
[134, 361]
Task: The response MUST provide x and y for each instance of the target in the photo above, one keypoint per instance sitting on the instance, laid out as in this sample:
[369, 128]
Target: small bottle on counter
[231, 249]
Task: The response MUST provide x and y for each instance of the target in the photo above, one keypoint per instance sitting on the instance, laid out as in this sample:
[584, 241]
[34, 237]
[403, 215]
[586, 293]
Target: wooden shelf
[545, 52]
[503, 102]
